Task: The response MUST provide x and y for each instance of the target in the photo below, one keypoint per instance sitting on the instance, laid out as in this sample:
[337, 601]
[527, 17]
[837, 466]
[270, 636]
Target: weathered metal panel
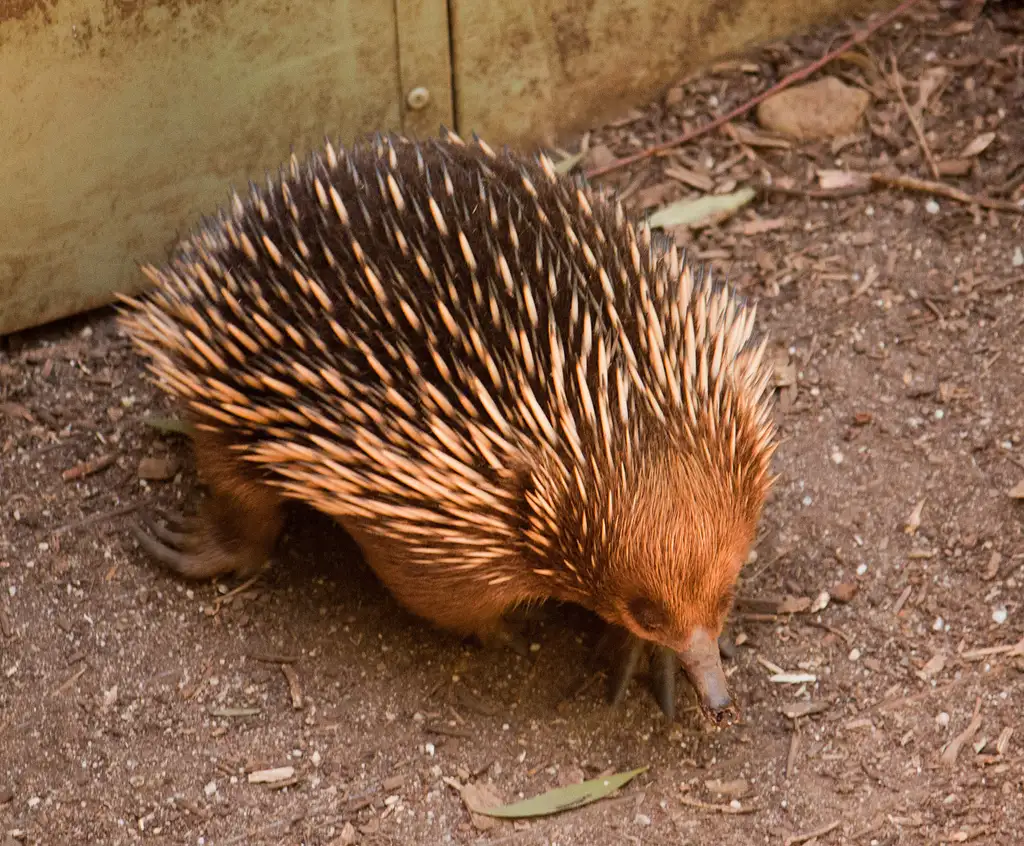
[534, 71]
[424, 61]
[121, 120]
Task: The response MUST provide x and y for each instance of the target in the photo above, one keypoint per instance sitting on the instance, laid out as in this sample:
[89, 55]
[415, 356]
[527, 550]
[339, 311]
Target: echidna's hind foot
[506, 634]
[204, 549]
[237, 528]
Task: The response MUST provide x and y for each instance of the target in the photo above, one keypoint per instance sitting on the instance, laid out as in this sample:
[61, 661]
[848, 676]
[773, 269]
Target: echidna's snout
[703, 665]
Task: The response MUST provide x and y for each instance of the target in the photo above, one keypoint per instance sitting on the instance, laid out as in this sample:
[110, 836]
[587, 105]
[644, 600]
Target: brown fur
[241, 520]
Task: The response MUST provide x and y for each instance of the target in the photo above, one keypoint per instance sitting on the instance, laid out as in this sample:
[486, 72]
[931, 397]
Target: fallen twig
[811, 835]
[98, 517]
[1011, 650]
[910, 183]
[897, 84]
[951, 752]
[87, 468]
[797, 76]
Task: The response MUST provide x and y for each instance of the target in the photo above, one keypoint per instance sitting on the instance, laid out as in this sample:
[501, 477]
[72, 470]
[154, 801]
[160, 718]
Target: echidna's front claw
[663, 663]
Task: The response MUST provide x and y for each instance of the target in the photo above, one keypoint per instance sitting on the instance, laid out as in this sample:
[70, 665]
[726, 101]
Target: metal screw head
[418, 98]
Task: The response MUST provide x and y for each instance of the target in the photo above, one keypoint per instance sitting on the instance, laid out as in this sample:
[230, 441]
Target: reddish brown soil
[115, 677]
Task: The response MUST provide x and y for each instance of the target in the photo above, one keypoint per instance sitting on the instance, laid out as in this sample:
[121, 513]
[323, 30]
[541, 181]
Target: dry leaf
[837, 180]
[930, 82]
[692, 212]
[821, 602]
[700, 181]
[978, 145]
[569, 162]
[933, 667]
[794, 605]
[748, 136]
[559, 799]
[914, 520]
[478, 797]
[734, 788]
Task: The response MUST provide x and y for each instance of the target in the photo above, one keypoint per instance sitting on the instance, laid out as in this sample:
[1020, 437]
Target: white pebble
[938, 624]
[854, 654]
[34, 801]
[807, 500]
[942, 719]
[837, 457]
[931, 207]
[862, 569]
[210, 788]
[642, 819]
[429, 749]
[939, 413]
[1018, 257]
[999, 615]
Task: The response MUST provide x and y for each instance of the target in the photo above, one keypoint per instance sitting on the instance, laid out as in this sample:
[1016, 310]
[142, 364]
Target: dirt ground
[133, 707]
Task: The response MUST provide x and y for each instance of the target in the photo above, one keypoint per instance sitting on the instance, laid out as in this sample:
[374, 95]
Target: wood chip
[795, 710]
[293, 685]
[1003, 743]
[902, 600]
[950, 753]
[271, 776]
[87, 468]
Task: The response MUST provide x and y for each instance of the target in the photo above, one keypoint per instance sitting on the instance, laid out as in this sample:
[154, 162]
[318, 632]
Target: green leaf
[169, 425]
[689, 212]
[563, 166]
[562, 798]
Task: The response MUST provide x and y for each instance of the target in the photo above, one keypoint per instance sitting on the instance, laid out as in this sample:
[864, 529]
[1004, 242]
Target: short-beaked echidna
[504, 389]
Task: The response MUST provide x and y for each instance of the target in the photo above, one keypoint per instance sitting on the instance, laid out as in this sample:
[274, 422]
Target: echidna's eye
[649, 615]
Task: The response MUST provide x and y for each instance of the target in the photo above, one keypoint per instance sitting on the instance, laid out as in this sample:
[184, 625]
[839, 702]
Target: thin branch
[797, 76]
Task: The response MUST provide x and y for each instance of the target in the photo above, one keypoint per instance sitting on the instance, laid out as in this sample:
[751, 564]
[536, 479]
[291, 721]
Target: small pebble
[210, 788]
[942, 719]
[999, 615]
[1018, 257]
[854, 654]
[938, 624]
[844, 592]
[642, 819]
[931, 207]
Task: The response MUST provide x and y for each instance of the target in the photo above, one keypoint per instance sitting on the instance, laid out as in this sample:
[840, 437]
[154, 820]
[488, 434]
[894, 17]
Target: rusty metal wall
[537, 71]
[123, 120]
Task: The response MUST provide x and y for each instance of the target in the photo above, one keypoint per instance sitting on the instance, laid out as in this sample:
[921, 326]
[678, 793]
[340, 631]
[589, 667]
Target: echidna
[501, 387]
